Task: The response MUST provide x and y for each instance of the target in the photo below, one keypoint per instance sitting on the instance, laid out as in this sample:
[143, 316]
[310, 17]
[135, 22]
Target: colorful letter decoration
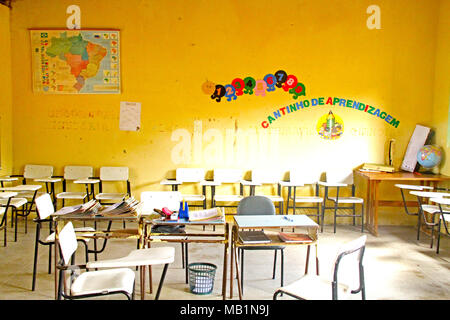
[218, 93]
[270, 81]
[259, 87]
[239, 85]
[230, 92]
[299, 90]
[249, 85]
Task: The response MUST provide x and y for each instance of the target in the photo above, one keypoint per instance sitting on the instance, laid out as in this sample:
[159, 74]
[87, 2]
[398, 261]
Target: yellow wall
[441, 96]
[6, 152]
[170, 48]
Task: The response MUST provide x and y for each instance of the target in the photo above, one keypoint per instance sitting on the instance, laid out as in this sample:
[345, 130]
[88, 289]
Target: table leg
[142, 277]
[237, 273]
[317, 261]
[231, 268]
[375, 208]
[307, 259]
[224, 280]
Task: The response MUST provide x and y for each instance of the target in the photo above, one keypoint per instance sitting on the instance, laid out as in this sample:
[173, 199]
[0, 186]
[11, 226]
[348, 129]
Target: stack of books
[294, 237]
[127, 207]
[248, 237]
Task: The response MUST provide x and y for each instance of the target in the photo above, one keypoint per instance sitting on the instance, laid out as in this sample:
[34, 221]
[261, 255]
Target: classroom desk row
[222, 236]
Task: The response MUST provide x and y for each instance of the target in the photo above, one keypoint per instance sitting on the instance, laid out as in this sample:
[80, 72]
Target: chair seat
[51, 237]
[430, 208]
[228, 198]
[193, 197]
[103, 281]
[309, 199]
[110, 196]
[16, 202]
[446, 217]
[312, 287]
[347, 199]
[71, 195]
[29, 194]
[139, 257]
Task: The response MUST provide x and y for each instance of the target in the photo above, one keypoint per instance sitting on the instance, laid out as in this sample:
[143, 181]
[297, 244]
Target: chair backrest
[348, 261]
[304, 175]
[44, 206]
[78, 172]
[190, 174]
[256, 205]
[33, 171]
[227, 175]
[160, 199]
[114, 173]
[266, 176]
[67, 240]
[341, 176]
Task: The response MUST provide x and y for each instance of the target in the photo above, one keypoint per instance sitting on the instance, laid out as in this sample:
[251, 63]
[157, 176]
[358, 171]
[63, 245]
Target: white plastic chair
[227, 177]
[92, 283]
[261, 177]
[444, 218]
[410, 187]
[299, 178]
[42, 174]
[45, 209]
[341, 179]
[113, 174]
[192, 175]
[71, 174]
[313, 287]
[428, 208]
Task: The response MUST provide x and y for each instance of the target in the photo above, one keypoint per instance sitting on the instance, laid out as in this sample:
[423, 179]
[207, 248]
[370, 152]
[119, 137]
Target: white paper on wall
[130, 116]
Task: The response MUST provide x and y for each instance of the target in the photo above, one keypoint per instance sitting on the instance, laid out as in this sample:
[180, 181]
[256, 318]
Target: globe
[429, 156]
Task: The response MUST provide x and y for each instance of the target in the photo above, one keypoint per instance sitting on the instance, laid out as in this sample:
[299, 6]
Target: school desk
[273, 224]
[374, 179]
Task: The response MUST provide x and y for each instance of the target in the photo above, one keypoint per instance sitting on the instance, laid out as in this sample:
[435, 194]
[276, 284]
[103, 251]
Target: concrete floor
[397, 266]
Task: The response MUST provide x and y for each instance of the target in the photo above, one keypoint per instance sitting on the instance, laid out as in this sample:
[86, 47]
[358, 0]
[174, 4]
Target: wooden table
[276, 222]
[372, 199]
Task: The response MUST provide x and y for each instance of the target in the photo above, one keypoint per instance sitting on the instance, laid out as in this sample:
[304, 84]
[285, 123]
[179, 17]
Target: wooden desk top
[402, 175]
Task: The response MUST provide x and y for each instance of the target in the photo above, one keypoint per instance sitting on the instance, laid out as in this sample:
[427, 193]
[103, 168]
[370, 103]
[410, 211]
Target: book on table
[206, 215]
[89, 208]
[253, 237]
[294, 237]
[377, 167]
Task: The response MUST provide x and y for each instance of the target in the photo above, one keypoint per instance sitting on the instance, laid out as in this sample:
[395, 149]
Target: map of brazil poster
[75, 61]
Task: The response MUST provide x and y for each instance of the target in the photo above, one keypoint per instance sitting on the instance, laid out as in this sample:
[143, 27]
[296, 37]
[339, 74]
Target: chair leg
[33, 283]
[335, 212]
[438, 236]
[161, 281]
[362, 217]
[15, 227]
[418, 224]
[282, 267]
[274, 263]
[242, 271]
